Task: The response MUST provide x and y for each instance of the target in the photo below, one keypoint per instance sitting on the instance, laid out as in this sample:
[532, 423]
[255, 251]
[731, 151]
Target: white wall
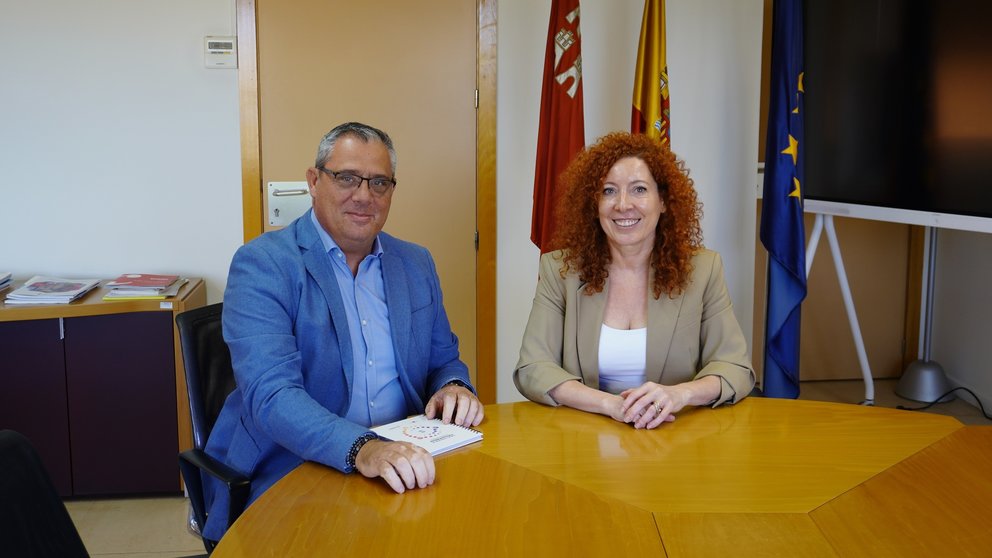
[119, 151]
[962, 303]
[714, 51]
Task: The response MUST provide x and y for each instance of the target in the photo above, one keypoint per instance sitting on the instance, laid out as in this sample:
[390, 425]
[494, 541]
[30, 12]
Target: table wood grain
[765, 477]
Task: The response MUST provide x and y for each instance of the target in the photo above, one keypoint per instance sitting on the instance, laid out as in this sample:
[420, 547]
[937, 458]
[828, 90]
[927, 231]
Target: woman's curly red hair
[586, 250]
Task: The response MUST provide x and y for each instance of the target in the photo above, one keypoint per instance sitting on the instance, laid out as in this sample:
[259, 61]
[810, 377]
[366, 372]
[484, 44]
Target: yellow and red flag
[650, 114]
[561, 132]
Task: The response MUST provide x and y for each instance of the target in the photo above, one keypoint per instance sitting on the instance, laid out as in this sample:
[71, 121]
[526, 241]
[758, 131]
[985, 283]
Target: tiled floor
[156, 527]
[135, 527]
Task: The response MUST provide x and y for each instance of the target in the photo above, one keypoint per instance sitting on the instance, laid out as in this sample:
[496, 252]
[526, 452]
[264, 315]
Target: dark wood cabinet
[33, 393]
[99, 391]
[120, 377]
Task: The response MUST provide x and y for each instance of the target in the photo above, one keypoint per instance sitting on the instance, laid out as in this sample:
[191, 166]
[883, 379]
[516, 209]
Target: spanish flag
[561, 132]
[650, 114]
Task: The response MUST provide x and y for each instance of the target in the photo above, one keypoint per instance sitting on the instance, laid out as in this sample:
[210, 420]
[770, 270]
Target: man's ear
[312, 176]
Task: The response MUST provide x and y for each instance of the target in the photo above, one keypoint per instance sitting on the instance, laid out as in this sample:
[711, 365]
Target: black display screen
[898, 104]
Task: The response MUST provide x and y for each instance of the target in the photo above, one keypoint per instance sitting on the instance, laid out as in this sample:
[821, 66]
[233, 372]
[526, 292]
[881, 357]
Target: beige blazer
[693, 335]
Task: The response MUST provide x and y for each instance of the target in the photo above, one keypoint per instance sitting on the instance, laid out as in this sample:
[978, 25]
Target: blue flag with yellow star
[782, 230]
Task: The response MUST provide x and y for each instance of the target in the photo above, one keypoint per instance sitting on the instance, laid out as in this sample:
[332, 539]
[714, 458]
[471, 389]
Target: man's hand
[456, 404]
[401, 464]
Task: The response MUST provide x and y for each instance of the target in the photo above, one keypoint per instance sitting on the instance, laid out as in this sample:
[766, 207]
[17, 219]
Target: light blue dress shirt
[377, 397]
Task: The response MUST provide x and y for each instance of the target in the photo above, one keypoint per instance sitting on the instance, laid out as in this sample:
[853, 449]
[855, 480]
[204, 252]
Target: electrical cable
[931, 404]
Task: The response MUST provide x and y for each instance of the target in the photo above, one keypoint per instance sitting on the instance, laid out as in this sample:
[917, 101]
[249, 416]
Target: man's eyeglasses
[378, 185]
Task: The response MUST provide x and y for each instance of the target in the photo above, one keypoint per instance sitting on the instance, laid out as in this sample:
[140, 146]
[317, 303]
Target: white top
[623, 355]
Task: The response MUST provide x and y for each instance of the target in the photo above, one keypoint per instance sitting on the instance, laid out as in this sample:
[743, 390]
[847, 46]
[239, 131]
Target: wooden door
[408, 68]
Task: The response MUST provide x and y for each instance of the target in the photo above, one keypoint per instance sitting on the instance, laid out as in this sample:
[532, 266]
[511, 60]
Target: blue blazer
[285, 323]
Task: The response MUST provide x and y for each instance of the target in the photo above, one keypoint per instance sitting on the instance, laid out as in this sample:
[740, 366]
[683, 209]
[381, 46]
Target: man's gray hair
[355, 129]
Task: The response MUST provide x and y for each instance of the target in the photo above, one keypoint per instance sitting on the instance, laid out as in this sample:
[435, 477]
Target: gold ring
[657, 408]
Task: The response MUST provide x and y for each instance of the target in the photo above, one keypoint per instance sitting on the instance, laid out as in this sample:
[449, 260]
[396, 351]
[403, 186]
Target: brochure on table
[430, 434]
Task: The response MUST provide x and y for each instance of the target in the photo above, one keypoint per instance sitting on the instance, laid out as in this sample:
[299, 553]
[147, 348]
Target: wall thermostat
[220, 52]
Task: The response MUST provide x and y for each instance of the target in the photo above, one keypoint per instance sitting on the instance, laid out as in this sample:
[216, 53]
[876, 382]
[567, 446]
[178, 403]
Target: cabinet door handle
[61, 330]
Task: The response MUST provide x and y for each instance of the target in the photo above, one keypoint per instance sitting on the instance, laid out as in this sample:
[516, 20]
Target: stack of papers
[50, 290]
[4, 280]
[430, 434]
[144, 286]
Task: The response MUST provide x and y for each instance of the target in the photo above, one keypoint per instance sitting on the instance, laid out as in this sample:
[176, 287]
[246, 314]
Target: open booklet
[430, 434]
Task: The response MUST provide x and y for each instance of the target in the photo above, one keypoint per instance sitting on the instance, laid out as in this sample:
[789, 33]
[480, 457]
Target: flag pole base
[924, 381]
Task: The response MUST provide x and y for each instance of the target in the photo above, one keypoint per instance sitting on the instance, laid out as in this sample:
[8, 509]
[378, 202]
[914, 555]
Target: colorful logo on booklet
[420, 432]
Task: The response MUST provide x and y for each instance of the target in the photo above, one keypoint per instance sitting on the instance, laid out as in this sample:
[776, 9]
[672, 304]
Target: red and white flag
[561, 132]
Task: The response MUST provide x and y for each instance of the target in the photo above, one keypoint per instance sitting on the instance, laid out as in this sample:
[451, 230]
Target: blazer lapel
[663, 316]
[589, 326]
[318, 265]
[398, 303]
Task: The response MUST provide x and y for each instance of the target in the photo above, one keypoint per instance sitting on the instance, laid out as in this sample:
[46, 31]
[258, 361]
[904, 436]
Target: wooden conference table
[766, 477]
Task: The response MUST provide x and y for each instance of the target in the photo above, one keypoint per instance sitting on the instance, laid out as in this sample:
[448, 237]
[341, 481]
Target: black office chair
[33, 519]
[209, 380]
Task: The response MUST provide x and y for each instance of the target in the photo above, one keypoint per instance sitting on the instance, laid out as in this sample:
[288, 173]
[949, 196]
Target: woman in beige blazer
[632, 318]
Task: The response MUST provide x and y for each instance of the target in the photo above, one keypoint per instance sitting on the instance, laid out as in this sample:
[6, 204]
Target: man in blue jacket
[335, 326]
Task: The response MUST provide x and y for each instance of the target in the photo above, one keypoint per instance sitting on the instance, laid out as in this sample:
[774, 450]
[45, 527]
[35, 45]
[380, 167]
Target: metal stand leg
[924, 379]
[827, 221]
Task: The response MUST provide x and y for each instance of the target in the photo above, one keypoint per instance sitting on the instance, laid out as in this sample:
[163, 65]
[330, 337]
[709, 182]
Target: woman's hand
[651, 404]
[613, 407]
[577, 395]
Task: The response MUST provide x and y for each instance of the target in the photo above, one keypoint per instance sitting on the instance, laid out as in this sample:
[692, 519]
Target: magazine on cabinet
[143, 281]
[143, 294]
[50, 290]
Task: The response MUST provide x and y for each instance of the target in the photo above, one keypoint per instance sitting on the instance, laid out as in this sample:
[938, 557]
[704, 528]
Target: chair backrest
[209, 374]
[33, 519]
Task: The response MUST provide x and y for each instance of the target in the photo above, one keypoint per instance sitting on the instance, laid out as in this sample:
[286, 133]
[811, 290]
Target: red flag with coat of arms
[561, 132]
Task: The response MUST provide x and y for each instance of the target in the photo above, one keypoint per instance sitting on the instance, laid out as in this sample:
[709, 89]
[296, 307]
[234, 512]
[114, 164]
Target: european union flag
[782, 230]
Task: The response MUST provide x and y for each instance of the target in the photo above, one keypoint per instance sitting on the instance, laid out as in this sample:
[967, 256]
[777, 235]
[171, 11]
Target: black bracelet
[459, 383]
[349, 461]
